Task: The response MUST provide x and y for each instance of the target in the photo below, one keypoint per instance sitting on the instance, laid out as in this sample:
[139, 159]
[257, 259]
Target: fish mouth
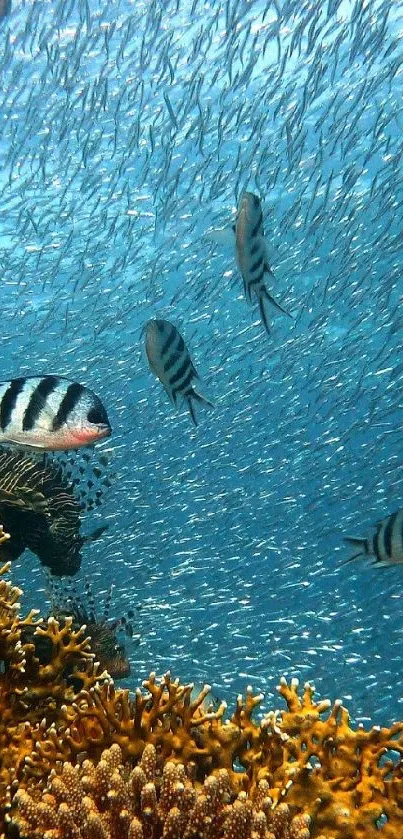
[103, 430]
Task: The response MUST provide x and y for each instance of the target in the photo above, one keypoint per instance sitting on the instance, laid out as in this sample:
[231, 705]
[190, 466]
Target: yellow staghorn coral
[32, 695]
[113, 800]
[103, 763]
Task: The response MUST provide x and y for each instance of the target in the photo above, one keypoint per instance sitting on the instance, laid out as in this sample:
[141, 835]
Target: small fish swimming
[51, 413]
[385, 546]
[251, 254]
[169, 359]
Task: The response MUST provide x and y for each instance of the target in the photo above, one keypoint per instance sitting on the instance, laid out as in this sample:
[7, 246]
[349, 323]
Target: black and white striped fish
[385, 547]
[169, 359]
[251, 254]
[50, 413]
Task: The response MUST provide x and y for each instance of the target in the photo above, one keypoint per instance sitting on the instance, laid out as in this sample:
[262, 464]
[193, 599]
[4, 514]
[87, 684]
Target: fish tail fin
[192, 410]
[263, 313]
[272, 299]
[358, 542]
[203, 399]
[193, 394]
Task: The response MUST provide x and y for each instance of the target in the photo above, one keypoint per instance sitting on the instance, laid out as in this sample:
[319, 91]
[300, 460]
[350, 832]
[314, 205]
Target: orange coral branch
[164, 763]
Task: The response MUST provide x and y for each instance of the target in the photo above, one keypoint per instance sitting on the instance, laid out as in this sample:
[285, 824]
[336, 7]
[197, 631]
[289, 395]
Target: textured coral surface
[111, 800]
[161, 762]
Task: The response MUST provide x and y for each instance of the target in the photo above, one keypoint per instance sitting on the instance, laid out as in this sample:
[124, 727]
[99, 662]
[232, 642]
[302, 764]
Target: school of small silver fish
[130, 132]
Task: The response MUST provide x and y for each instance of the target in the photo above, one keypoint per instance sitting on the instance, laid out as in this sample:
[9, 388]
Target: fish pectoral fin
[25, 498]
[10, 499]
[224, 236]
[381, 563]
[27, 446]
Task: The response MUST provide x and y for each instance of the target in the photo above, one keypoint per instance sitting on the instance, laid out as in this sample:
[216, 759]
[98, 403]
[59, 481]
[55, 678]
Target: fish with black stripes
[169, 359]
[51, 413]
[385, 547]
[251, 253]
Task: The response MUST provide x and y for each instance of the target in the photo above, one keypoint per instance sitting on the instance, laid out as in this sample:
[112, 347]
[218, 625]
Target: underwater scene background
[128, 132]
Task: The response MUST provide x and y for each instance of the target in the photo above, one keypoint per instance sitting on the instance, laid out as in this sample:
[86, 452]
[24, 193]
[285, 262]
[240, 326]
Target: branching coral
[32, 695]
[111, 800]
[101, 765]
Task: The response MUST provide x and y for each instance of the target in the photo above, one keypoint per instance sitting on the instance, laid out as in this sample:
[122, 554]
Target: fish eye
[97, 415]
[255, 200]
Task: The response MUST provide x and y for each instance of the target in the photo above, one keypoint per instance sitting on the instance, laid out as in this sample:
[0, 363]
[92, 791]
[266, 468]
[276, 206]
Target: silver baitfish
[169, 359]
[385, 546]
[51, 413]
[251, 254]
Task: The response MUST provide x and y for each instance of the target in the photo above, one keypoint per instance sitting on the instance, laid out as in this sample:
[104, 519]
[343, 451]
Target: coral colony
[96, 764]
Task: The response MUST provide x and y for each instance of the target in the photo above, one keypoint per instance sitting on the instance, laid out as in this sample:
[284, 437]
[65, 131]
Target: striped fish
[169, 359]
[50, 413]
[385, 546]
[251, 254]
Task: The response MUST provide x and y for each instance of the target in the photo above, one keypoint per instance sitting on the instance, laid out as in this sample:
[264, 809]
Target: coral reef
[32, 695]
[103, 764]
[112, 801]
[105, 633]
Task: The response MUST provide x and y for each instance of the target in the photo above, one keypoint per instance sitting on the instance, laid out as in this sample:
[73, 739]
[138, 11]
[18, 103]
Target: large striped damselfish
[169, 359]
[50, 413]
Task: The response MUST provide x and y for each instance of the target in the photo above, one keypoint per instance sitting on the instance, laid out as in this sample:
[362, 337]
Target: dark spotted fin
[193, 394]
[88, 471]
[25, 498]
[358, 542]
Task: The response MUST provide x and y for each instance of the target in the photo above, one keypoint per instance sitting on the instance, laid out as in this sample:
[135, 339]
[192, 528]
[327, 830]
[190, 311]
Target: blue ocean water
[128, 131]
